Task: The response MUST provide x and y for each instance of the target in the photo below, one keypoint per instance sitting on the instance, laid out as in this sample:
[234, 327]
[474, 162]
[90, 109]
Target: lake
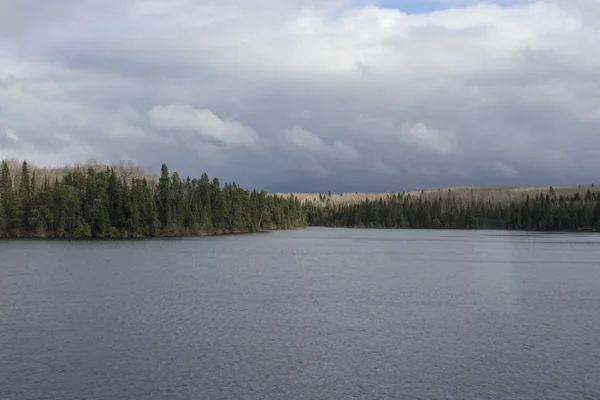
[306, 314]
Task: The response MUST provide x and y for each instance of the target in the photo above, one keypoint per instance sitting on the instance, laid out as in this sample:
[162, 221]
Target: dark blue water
[311, 314]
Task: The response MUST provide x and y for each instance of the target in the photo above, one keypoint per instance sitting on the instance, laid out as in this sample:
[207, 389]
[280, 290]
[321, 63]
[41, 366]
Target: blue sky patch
[426, 6]
[412, 6]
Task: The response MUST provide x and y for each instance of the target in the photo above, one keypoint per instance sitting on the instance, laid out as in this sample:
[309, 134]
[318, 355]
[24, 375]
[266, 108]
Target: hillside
[475, 193]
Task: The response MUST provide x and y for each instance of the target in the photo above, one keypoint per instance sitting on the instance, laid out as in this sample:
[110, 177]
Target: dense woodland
[92, 203]
[106, 202]
[543, 212]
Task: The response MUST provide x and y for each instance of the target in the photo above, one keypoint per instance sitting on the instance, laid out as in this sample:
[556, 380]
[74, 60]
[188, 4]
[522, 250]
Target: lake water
[308, 314]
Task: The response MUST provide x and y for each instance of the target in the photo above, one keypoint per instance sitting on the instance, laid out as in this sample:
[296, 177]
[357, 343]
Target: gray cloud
[307, 96]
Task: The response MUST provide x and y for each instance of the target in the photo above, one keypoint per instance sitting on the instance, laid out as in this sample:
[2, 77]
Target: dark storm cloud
[300, 95]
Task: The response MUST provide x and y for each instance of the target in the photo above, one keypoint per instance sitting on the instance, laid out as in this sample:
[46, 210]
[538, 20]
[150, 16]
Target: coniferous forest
[93, 203]
[105, 203]
[542, 212]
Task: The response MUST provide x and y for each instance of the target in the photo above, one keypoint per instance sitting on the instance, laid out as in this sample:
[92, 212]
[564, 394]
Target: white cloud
[300, 138]
[437, 97]
[12, 135]
[202, 122]
[428, 138]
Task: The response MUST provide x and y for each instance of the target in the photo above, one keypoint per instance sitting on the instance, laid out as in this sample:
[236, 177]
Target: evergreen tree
[101, 203]
[10, 205]
[164, 198]
[545, 211]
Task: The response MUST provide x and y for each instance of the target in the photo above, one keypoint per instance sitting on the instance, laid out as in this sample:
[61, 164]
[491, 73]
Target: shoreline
[587, 230]
[147, 237]
[263, 231]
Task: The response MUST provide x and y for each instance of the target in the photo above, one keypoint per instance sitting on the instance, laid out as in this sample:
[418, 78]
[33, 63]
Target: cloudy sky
[307, 95]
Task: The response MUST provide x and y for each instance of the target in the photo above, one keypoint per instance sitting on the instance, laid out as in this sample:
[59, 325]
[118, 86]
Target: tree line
[91, 203]
[542, 212]
[106, 202]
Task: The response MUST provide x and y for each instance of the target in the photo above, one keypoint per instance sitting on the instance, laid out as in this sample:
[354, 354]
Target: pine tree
[163, 201]
[9, 202]
[25, 198]
[3, 230]
[102, 204]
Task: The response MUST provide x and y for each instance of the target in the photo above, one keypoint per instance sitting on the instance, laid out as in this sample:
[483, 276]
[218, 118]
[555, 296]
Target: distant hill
[467, 193]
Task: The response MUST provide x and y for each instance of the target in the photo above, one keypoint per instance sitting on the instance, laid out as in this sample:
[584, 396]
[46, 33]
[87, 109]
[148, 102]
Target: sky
[307, 95]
